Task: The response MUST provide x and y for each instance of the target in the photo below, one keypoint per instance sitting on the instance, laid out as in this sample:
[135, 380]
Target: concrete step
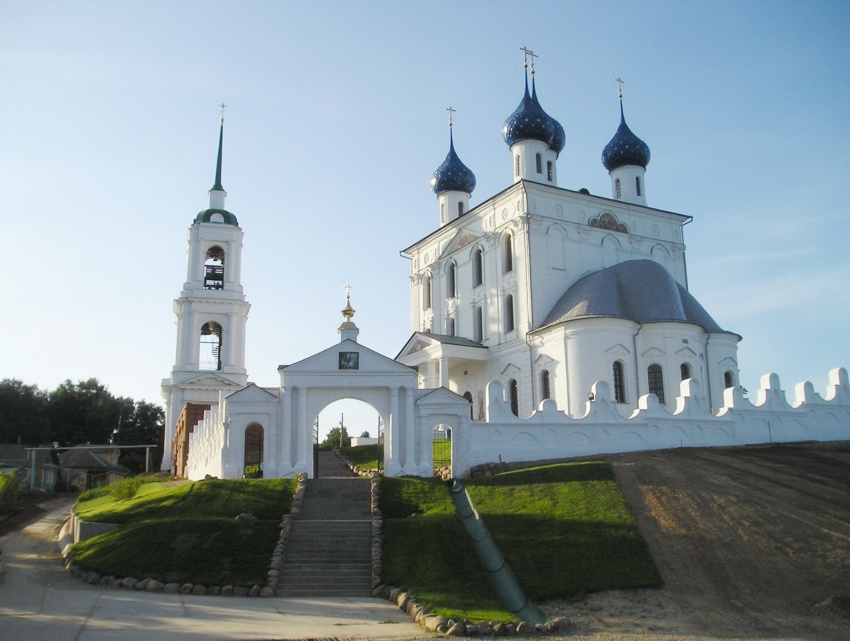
[329, 550]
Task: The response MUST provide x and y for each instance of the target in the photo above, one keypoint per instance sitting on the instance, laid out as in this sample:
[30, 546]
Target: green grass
[427, 552]
[564, 529]
[187, 532]
[363, 456]
[442, 452]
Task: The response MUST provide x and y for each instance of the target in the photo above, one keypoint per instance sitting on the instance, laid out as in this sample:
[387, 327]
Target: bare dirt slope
[750, 542]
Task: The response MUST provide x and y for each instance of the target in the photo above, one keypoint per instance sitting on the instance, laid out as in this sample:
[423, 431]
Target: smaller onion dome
[452, 174]
[625, 148]
[559, 136]
[528, 121]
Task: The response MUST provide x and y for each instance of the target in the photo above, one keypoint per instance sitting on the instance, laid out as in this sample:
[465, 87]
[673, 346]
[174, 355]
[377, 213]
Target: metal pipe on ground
[496, 569]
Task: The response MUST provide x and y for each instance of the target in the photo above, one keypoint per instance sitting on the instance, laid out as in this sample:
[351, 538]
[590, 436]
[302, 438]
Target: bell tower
[211, 313]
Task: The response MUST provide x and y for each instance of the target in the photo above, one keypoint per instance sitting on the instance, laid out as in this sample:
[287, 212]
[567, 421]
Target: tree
[23, 417]
[142, 425]
[337, 437]
[365, 434]
[83, 412]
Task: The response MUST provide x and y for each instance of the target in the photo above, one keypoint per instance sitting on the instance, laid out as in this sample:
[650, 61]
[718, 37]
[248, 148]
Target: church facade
[549, 290]
[546, 323]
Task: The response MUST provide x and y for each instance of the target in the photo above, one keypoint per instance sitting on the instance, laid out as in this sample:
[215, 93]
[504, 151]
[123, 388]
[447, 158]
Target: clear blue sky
[109, 126]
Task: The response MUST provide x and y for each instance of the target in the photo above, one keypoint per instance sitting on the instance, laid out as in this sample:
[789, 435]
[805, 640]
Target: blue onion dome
[452, 175]
[559, 136]
[625, 148]
[528, 122]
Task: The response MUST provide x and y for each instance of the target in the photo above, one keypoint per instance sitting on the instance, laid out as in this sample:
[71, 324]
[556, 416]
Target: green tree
[337, 437]
[10, 488]
[141, 425]
[22, 413]
[83, 412]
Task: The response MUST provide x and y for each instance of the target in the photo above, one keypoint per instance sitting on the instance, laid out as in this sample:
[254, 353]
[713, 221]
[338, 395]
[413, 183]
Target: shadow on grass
[565, 530]
[210, 551]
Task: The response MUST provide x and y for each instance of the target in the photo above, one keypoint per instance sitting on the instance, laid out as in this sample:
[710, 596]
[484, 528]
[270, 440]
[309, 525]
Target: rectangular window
[619, 383]
[656, 382]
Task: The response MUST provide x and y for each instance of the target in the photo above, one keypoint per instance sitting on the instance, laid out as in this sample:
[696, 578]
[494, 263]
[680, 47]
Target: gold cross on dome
[620, 84]
[451, 114]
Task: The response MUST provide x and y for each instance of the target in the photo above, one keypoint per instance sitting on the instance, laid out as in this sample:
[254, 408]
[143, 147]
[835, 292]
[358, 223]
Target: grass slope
[564, 529]
[187, 532]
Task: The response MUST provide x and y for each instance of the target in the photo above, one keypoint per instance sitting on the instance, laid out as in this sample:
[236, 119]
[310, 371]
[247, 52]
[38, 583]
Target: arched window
[460, 209]
[655, 378]
[685, 370]
[729, 379]
[545, 389]
[539, 161]
[442, 212]
[426, 292]
[477, 267]
[517, 164]
[468, 396]
[509, 313]
[549, 173]
[619, 382]
[450, 327]
[214, 268]
[209, 355]
[508, 249]
[253, 451]
[478, 327]
[637, 185]
[618, 189]
[513, 396]
[451, 281]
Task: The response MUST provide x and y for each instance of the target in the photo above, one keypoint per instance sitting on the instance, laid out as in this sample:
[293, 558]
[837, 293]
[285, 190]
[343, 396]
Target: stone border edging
[65, 542]
[285, 527]
[419, 613]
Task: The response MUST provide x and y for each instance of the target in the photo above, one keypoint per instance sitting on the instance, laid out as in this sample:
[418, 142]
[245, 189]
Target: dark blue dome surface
[638, 290]
[452, 175]
[559, 136]
[625, 148]
[530, 122]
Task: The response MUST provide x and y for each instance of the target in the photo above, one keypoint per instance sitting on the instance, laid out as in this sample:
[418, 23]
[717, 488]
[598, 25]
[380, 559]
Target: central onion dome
[530, 122]
[452, 174]
[625, 148]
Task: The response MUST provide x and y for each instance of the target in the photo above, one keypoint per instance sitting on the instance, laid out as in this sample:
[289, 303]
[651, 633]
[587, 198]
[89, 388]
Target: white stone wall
[550, 434]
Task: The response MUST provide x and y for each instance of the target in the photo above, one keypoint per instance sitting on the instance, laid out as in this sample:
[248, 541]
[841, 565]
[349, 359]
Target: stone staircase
[329, 551]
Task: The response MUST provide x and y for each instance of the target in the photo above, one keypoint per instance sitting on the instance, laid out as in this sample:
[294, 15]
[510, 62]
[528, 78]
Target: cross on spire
[451, 115]
[223, 107]
[526, 54]
[619, 87]
[348, 310]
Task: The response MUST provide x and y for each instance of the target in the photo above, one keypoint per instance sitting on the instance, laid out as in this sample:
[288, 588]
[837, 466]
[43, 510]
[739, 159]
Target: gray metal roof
[445, 339]
[638, 290]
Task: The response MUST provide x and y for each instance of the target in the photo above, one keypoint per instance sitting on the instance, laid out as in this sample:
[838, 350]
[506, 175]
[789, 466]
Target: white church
[546, 323]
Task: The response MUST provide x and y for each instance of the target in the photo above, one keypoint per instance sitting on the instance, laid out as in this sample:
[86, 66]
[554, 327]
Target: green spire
[217, 186]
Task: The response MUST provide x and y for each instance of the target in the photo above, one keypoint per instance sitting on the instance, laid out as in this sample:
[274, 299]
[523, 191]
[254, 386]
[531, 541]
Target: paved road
[40, 601]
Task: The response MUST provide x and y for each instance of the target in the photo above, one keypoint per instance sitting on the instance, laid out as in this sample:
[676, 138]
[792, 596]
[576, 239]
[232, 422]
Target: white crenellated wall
[551, 434]
[207, 445]
[216, 447]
